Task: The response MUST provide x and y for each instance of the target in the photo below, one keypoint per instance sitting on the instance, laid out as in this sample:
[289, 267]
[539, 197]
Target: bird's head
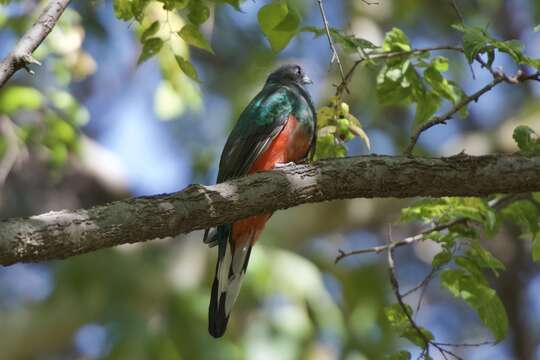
[290, 73]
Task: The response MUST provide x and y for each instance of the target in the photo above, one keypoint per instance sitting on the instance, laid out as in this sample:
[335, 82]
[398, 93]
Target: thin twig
[440, 346]
[335, 56]
[495, 205]
[442, 119]
[21, 55]
[395, 287]
[458, 13]
[465, 344]
[498, 77]
[422, 283]
[462, 20]
[409, 240]
[389, 55]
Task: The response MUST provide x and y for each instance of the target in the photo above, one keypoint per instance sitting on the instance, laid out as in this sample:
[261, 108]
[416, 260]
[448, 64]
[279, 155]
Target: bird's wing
[258, 125]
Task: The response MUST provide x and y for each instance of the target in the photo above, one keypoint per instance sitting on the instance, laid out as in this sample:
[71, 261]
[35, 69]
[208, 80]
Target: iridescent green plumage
[267, 130]
[260, 123]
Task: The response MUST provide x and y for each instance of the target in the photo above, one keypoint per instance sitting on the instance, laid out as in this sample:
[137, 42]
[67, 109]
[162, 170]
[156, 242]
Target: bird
[277, 127]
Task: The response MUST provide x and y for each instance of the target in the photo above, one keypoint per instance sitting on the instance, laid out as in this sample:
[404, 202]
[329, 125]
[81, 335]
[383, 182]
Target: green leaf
[187, 68]
[480, 297]
[279, 23]
[137, 8]
[191, 35]
[477, 41]
[289, 23]
[400, 323]
[426, 106]
[439, 84]
[447, 209]
[122, 9]
[396, 40]
[483, 258]
[440, 63]
[198, 12]
[328, 146]
[233, 3]
[129, 9]
[525, 214]
[150, 48]
[536, 28]
[20, 98]
[350, 43]
[441, 258]
[150, 31]
[399, 84]
[474, 40]
[527, 140]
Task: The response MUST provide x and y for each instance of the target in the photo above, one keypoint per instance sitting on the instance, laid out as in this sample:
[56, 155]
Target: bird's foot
[283, 165]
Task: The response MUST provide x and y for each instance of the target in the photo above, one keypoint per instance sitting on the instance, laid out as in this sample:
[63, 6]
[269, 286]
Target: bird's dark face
[288, 74]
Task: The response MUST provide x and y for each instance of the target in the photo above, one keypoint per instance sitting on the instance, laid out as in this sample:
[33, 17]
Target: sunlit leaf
[400, 323]
[396, 40]
[198, 12]
[483, 258]
[279, 23]
[150, 48]
[480, 297]
[441, 258]
[358, 131]
[426, 106]
[150, 31]
[187, 68]
[347, 42]
[191, 35]
[122, 9]
[527, 140]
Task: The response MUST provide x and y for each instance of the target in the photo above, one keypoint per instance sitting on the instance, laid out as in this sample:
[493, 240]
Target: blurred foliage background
[93, 126]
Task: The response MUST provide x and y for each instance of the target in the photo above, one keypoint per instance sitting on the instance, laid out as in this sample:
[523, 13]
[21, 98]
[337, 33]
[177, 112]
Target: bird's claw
[283, 165]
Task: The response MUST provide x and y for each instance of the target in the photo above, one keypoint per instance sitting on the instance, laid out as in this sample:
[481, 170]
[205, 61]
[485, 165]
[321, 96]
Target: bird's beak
[306, 80]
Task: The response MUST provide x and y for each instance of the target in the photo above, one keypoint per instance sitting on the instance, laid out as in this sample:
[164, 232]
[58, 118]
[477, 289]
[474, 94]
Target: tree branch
[498, 77]
[21, 56]
[62, 234]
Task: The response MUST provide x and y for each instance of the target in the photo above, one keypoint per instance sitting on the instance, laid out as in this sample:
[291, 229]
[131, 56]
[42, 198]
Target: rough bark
[21, 55]
[61, 234]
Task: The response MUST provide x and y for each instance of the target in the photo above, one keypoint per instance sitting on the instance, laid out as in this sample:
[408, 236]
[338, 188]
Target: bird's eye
[298, 70]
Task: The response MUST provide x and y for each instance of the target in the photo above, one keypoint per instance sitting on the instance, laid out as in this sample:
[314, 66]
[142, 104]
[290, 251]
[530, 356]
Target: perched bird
[277, 127]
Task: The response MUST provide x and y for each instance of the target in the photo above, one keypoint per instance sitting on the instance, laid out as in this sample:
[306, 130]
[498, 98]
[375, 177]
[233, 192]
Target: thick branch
[61, 234]
[21, 56]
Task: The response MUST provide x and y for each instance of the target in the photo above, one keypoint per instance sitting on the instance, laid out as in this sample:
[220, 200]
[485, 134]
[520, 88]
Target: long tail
[230, 270]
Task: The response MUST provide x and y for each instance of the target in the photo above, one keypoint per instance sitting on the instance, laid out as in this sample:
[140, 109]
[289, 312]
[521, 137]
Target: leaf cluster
[336, 126]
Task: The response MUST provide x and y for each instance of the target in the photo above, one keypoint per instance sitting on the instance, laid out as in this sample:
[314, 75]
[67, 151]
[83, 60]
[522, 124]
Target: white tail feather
[231, 272]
